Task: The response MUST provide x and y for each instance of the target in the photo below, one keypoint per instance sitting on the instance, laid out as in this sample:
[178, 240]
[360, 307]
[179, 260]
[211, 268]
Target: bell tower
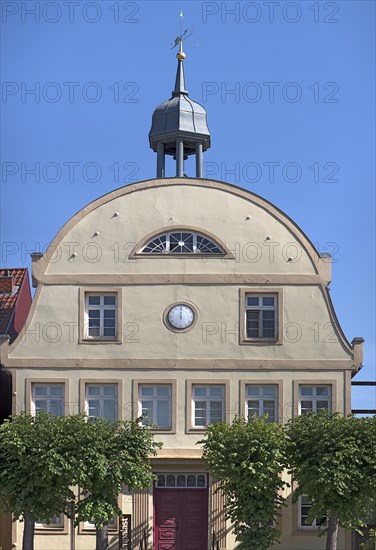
[179, 126]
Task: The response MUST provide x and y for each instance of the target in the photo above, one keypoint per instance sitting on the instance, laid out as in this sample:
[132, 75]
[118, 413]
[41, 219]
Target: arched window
[181, 242]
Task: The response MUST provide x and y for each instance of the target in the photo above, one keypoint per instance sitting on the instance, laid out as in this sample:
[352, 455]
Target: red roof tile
[8, 299]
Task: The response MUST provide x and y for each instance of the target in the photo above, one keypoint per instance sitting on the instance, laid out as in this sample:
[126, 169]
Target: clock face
[180, 316]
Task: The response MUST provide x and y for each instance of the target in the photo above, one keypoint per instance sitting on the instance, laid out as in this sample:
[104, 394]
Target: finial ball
[180, 56]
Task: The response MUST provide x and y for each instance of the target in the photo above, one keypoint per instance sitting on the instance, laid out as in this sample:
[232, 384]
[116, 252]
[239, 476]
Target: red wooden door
[180, 519]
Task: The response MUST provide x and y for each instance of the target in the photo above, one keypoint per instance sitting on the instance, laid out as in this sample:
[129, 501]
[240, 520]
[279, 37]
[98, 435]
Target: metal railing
[215, 542]
[144, 540]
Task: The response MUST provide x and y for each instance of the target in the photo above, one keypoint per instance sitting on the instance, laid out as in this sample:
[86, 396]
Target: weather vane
[183, 35]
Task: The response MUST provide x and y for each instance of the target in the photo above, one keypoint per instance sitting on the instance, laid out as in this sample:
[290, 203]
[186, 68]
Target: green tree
[113, 455]
[333, 460]
[36, 468]
[246, 458]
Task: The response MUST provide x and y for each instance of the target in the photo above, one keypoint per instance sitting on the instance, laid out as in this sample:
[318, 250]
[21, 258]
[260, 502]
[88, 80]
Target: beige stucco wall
[312, 350]
[309, 331]
[219, 212]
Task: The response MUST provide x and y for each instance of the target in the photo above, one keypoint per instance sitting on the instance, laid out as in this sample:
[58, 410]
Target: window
[177, 481]
[155, 404]
[101, 400]
[48, 398]
[314, 398]
[261, 400]
[57, 522]
[261, 316]
[101, 316]
[208, 405]
[90, 526]
[181, 242]
[305, 506]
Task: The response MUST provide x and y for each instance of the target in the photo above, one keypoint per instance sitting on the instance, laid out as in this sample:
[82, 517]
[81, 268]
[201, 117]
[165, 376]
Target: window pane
[216, 392]
[163, 391]
[147, 391]
[170, 481]
[200, 413]
[40, 390]
[199, 392]
[269, 409]
[109, 314]
[215, 411]
[161, 481]
[94, 408]
[322, 391]
[109, 300]
[56, 391]
[306, 390]
[306, 406]
[163, 414]
[252, 300]
[253, 408]
[268, 301]
[94, 300]
[109, 409]
[268, 314]
[109, 391]
[40, 405]
[269, 390]
[56, 407]
[253, 390]
[201, 482]
[322, 405]
[191, 481]
[94, 314]
[109, 332]
[147, 412]
[93, 390]
[181, 481]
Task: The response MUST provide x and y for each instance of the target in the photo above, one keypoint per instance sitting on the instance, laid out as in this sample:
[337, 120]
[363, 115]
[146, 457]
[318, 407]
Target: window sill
[99, 341]
[163, 430]
[261, 342]
[51, 531]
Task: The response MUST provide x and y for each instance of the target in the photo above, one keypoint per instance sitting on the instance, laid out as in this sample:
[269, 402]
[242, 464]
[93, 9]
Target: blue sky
[289, 89]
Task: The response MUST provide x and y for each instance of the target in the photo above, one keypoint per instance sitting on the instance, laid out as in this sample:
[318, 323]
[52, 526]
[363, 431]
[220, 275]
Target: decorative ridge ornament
[179, 125]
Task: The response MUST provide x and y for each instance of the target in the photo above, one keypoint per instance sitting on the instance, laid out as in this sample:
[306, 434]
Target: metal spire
[180, 80]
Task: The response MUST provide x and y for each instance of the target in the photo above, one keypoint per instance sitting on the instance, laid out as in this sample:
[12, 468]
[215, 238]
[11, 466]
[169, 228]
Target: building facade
[190, 301]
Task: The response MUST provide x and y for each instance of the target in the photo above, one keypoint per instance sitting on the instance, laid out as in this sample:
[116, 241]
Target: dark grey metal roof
[181, 117]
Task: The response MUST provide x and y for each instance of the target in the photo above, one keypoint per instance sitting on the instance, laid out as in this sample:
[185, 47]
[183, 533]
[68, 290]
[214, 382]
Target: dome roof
[179, 117]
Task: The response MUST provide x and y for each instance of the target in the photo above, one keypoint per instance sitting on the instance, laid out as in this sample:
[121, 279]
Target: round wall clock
[180, 317]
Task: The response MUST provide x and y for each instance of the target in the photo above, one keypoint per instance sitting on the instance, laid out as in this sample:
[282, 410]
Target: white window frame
[101, 398]
[208, 400]
[58, 525]
[315, 525]
[155, 400]
[101, 308]
[50, 399]
[192, 236]
[314, 397]
[261, 398]
[260, 308]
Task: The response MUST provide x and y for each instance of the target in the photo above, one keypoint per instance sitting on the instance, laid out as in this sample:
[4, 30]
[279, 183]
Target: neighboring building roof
[14, 286]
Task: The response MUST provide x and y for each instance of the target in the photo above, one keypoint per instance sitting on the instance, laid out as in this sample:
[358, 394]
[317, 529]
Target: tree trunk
[28, 534]
[331, 540]
[102, 537]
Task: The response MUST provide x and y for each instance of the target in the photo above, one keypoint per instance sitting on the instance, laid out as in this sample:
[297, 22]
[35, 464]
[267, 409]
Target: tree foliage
[113, 455]
[43, 457]
[246, 458]
[333, 460]
[36, 468]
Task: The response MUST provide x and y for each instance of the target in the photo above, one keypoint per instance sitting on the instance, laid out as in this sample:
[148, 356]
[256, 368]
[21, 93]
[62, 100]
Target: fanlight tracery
[181, 242]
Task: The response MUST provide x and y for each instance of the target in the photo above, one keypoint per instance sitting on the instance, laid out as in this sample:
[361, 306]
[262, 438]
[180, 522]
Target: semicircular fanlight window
[181, 242]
